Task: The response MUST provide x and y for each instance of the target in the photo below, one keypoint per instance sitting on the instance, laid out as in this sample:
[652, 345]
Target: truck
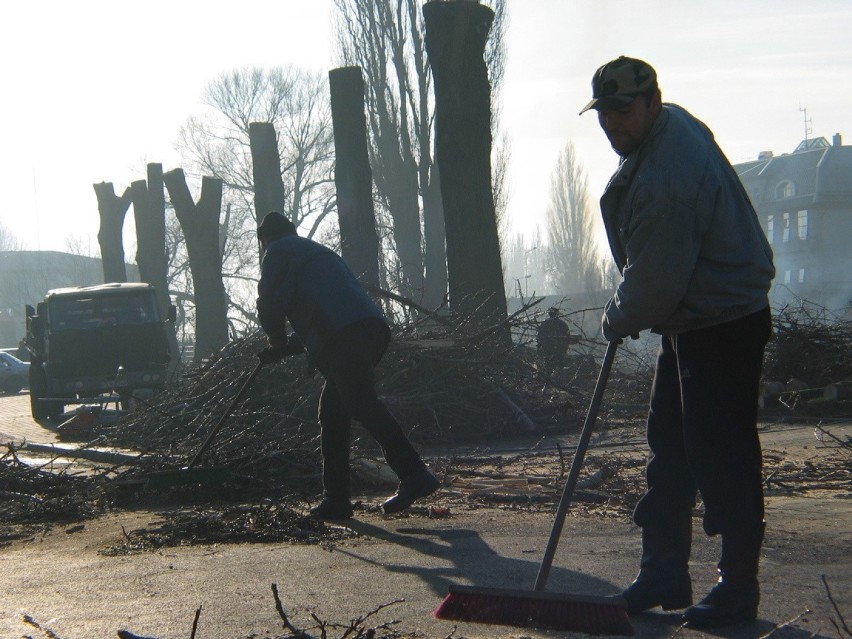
[89, 342]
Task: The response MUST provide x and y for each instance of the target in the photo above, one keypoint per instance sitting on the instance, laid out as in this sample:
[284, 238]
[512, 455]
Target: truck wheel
[41, 408]
[38, 389]
[126, 401]
[13, 386]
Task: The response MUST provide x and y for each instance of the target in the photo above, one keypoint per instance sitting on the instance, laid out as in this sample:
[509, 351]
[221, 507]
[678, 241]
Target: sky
[96, 89]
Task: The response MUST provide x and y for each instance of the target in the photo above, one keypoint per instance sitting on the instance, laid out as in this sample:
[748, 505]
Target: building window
[784, 190]
[801, 275]
[802, 224]
[785, 235]
[787, 276]
[770, 228]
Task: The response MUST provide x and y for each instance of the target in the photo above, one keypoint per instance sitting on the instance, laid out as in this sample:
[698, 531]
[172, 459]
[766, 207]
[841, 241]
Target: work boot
[421, 483]
[736, 596]
[663, 578]
[332, 508]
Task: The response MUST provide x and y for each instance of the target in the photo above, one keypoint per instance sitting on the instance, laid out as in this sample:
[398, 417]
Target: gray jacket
[683, 233]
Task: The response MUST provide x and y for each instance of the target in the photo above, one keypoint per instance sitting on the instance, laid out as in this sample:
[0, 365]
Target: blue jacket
[310, 285]
[683, 233]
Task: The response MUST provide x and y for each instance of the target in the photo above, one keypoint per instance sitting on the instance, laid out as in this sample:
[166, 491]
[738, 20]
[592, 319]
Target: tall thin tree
[576, 265]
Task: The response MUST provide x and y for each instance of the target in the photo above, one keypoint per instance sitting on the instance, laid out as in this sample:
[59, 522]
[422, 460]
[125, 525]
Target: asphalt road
[58, 581]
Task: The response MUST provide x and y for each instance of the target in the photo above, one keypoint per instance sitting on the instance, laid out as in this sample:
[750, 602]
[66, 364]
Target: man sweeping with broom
[345, 336]
[696, 269]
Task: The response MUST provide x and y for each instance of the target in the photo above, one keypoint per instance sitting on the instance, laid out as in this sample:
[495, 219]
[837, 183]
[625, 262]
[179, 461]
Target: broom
[536, 608]
[191, 473]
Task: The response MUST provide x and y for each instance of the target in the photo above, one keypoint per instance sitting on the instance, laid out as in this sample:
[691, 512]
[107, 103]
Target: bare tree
[218, 144]
[525, 265]
[576, 264]
[8, 241]
[295, 102]
[386, 39]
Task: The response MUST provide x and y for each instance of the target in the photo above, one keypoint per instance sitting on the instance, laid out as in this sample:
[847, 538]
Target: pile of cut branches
[33, 498]
[445, 390]
[811, 344]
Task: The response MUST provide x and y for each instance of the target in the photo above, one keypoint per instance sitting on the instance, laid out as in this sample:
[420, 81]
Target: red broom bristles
[546, 610]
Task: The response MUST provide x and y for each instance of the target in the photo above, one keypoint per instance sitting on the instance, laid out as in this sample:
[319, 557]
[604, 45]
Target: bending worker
[696, 268]
[345, 335]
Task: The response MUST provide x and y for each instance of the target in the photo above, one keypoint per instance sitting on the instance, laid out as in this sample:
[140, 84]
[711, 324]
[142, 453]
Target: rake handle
[576, 466]
[243, 390]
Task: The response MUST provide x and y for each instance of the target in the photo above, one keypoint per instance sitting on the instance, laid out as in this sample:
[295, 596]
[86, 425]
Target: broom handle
[576, 465]
[243, 389]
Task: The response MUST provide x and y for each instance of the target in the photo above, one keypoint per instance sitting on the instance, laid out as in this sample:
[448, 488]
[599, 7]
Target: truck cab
[85, 342]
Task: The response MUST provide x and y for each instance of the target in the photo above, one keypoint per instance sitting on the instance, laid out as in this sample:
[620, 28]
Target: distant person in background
[696, 268]
[552, 340]
[345, 335]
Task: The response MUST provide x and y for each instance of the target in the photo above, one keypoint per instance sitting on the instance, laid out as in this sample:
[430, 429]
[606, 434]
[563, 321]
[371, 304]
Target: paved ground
[16, 423]
[60, 582]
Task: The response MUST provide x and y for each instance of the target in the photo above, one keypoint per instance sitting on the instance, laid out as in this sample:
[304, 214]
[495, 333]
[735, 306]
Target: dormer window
[784, 190]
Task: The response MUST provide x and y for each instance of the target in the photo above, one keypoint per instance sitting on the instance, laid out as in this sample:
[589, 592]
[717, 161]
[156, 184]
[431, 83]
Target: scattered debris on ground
[453, 393]
[365, 626]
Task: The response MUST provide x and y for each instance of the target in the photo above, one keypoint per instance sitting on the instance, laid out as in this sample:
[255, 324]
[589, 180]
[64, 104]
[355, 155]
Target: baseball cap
[616, 83]
[275, 225]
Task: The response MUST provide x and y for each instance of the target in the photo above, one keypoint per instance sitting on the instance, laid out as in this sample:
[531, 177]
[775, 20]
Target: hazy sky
[96, 89]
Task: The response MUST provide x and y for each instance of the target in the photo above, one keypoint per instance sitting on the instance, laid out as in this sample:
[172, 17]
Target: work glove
[610, 334]
[272, 354]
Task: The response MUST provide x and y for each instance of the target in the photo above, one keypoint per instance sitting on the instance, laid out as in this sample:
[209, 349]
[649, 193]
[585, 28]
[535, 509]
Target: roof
[105, 289]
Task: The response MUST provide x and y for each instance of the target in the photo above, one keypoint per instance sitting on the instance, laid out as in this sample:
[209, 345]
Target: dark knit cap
[275, 225]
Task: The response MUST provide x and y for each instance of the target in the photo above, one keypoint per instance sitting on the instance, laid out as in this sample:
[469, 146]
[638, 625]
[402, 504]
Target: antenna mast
[808, 129]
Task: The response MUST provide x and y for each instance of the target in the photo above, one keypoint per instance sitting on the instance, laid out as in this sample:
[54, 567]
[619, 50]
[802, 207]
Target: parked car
[13, 373]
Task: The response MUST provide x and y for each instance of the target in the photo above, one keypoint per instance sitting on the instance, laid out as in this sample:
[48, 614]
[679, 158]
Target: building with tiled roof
[804, 200]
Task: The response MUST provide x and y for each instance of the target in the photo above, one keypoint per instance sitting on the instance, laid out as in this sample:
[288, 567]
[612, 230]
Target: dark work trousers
[702, 426]
[350, 393]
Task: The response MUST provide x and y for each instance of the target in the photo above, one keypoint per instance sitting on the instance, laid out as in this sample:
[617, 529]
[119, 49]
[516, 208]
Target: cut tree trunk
[200, 224]
[456, 33]
[359, 241]
[112, 212]
[149, 212]
[266, 171]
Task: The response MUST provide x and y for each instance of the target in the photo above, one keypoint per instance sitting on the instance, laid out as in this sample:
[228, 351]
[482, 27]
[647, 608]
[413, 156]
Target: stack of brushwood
[808, 365]
[33, 498]
[446, 390]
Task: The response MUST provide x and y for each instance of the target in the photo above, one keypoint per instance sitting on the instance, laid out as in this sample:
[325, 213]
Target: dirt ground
[505, 498]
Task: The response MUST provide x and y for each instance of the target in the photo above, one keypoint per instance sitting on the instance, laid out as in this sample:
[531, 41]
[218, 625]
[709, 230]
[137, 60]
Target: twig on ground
[195, 622]
[296, 632]
[844, 444]
[35, 624]
[787, 623]
[561, 461]
[834, 605]
[356, 624]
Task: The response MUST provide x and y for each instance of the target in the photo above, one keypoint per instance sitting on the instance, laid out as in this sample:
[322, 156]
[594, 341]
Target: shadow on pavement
[462, 556]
